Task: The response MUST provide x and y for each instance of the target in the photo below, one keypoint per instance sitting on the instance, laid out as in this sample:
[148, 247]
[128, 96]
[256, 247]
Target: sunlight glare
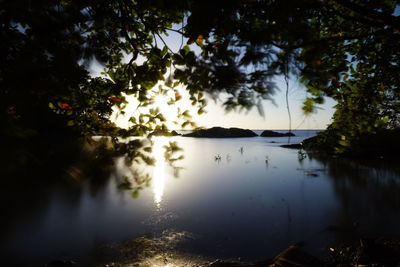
[170, 111]
[159, 170]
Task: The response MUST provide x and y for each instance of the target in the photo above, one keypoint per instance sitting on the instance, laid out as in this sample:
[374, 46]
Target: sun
[168, 103]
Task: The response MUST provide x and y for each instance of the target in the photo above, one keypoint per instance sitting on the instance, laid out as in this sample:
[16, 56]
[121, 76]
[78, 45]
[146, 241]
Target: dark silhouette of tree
[347, 50]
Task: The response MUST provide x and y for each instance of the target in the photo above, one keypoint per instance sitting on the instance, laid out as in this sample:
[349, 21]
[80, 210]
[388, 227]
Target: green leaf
[164, 51]
[186, 123]
[148, 149]
[135, 194]
[187, 49]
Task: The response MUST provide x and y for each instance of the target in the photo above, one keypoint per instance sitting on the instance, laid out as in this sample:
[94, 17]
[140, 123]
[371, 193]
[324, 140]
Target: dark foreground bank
[145, 252]
[380, 145]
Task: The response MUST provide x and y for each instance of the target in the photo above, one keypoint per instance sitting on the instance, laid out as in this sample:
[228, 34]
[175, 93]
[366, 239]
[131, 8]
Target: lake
[244, 199]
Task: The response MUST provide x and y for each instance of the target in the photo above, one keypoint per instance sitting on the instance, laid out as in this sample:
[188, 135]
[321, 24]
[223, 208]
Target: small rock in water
[313, 174]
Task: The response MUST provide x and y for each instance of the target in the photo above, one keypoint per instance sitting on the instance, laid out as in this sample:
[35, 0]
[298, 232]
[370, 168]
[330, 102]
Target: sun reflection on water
[158, 181]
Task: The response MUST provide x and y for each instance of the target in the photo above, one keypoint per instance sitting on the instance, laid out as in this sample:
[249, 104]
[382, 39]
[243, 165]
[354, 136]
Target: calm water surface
[251, 204]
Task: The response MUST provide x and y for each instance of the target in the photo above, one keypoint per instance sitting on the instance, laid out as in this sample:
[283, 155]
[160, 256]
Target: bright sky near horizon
[276, 116]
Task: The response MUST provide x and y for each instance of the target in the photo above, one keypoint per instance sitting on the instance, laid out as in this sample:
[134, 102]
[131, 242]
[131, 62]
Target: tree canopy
[47, 48]
[346, 50]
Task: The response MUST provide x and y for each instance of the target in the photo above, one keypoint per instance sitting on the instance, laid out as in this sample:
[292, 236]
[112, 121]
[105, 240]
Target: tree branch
[173, 30]
[159, 36]
[383, 19]
[326, 39]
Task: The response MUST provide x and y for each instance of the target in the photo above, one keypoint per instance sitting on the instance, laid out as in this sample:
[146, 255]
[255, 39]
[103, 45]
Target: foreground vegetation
[148, 252]
[346, 50]
[381, 144]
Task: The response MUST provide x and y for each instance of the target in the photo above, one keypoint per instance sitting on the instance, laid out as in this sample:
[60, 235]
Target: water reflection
[235, 208]
[368, 196]
[158, 181]
[145, 251]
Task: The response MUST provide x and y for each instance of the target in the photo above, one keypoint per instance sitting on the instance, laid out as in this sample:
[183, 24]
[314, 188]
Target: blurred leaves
[348, 52]
[345, 51]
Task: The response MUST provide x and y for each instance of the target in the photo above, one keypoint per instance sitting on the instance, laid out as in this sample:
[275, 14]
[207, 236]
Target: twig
[159, 36]
[173, 30]
[180, 47]
[286, 76]
[155, 40]
[172, 63]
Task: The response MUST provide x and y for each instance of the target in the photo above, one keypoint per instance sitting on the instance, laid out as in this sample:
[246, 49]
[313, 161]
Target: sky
[276, 115]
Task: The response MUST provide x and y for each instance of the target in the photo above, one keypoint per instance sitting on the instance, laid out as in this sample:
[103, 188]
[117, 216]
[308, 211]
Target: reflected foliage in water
[61, 173]
[368, 191]
[254, 201]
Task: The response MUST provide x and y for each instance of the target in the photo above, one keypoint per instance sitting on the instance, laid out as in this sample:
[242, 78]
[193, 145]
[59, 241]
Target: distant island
[219, 132]
[269, 133]
[161, 132]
